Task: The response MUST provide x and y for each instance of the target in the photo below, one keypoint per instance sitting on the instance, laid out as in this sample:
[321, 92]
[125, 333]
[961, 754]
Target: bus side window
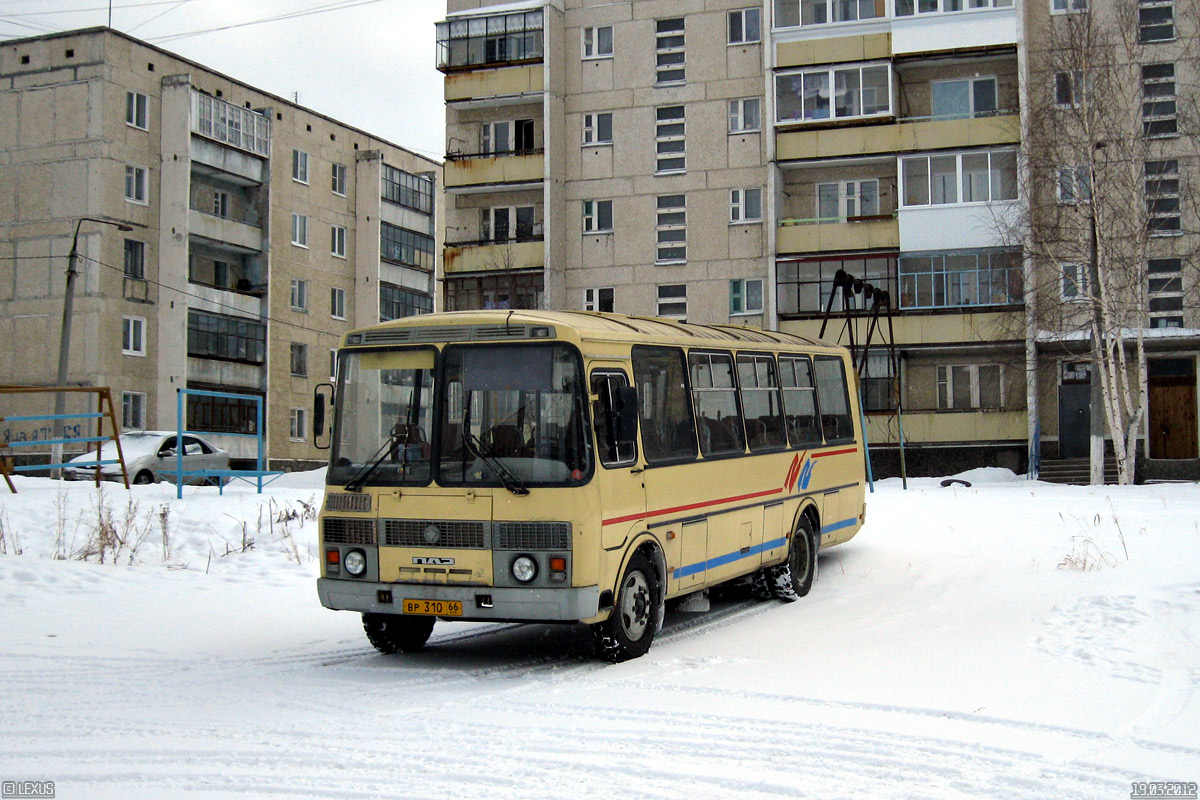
[613, 449]
[668, 429]
[835, 402]
[761, 402]
[799, 401]
[719, 419]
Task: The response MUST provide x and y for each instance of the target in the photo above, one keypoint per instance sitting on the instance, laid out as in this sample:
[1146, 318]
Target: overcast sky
[368, 63]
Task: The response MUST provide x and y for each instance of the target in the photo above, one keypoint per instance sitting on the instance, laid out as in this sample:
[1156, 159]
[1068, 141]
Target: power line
[156, 16]
[337, 6]
[91, 8]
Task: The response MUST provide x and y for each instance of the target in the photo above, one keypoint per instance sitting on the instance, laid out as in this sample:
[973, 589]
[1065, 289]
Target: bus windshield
[513, 415]
[384, 421]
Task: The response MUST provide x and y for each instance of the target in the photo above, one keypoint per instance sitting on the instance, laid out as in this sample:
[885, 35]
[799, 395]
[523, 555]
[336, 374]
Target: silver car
[149, 458]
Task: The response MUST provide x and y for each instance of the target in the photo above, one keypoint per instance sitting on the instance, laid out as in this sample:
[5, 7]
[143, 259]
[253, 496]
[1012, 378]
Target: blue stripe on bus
[729, 558]
[837, 526]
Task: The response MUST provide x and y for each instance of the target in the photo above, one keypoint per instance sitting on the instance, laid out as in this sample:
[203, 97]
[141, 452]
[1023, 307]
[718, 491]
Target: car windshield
[513, 415]
[383, 425]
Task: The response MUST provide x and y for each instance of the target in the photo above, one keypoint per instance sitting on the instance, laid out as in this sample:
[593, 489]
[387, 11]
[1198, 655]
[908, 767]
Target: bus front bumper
[478, 602]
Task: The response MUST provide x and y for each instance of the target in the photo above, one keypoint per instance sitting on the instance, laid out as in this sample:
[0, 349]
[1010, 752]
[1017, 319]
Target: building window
[598, 42]
[669, 51]
[960, 99]
[1156, 20]
[137, 110]
[745, 205]
[133, 336]
[1074, 185]
[226, 337]
[408, 190]
[337, 303]
[299, 359]
[598, 299]
[671, 229]
[960, 278]
[745, 26]
[1071, 89]
[597, 128]
[746, 296]
[906, 8]
[299, 295]
[790, 13]
[857, 91]
[403, 246]
[339, 178]
[229, 414]
[1165, 290]
[500, 38]
[237, 127]
[498, 224]
[133, 411]
[506, 136]
[300, 166]
[520, 290]
[669, 139]
[1158, 100]
[843, 200]
[1162, 196]
[1074, 282]
[137, 184]
[397, 303]
[337, 241]
[983, 176]
[804, 286]
[135, 259]
[298, 428]
[597, 216]
[220, 205]
[970, 386]
[1068, 6]
[745, 115]
[672, 301]
[299, 230]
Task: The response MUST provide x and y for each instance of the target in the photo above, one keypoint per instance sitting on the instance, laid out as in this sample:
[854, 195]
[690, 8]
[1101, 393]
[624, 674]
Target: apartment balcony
[930, 328]
[493, 256]
[231, 125]
[905, 135]
[499, 86]
[245, 233]
[489, 172]
[956, 30]
[838, 235]
[960, 427]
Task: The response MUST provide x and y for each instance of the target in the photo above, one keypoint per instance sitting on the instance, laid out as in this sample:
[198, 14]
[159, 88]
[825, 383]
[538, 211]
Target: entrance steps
[1076, 471]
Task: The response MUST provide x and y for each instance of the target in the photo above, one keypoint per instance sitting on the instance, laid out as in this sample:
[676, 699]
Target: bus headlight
[355, 563]
[524, 568]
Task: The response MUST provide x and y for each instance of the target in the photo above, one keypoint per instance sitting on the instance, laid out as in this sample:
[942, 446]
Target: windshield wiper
[355, 484]
[507, 479]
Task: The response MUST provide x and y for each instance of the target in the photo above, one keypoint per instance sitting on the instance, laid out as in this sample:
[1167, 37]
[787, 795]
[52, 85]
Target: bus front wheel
[794, 578]
[628, 632]
[393, 633]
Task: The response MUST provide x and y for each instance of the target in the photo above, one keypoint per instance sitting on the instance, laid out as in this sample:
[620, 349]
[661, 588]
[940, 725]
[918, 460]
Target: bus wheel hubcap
[635, 606]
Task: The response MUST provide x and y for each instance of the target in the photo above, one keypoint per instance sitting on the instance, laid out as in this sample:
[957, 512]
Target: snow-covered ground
[1010, 640]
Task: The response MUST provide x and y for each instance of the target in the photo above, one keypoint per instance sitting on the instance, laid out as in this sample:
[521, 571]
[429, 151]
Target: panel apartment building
[261, 231]
[720, 162]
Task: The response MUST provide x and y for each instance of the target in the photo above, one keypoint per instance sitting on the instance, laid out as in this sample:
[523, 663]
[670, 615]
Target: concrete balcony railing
[853, 233]
[902, 136]
[504, 82]
[485, 169]
[227, 231]
[490, 256]
[930, 427]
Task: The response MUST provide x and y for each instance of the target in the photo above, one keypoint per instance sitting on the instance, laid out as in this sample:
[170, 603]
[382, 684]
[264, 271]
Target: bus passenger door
[620, 470]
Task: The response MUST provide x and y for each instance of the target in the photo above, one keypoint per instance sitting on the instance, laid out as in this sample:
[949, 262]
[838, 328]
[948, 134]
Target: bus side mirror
[626, 414]
[322, 396]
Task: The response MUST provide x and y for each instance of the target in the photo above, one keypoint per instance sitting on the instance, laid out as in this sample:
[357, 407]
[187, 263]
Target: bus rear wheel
[393, 633]
[628, 632]
[793, 579]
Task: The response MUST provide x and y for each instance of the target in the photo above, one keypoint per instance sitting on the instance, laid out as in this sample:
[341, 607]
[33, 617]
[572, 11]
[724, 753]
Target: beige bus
[579, 467]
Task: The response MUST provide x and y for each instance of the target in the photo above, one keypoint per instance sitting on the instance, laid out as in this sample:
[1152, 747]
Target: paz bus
[579, 467]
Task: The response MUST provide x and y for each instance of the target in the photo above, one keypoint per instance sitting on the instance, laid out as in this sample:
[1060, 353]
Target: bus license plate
[436, 608]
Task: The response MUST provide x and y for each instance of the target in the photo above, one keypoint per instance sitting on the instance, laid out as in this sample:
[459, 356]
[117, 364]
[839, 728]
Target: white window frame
[739, 297]
[300, 230]
[1170, 318]
[670, 158]
[302, 350]
[1148, 5]
[665, 303]
[1079, 84]
[139, 247]
[742, 203]
[593, 298]
[133, 336]
[489, 222]
[1073, 288]
[958, 178]
[1068, 6]
[593, 127]
[666, 61]
[137, 181]
[300, 166]
[337, 302]
[299, 294]
[830, 73]
[1153, 98]
[1163, 191]
[137, 110]
[298, 424]
[338, 178]
[1073, 185]
[972, 82]
[944, 377]
[593, 216]
[133, 411]
[591, 42]
[337, 241]
[739, 115]
[669, 219]
[741, 15]
[847, 190]
[222, 203]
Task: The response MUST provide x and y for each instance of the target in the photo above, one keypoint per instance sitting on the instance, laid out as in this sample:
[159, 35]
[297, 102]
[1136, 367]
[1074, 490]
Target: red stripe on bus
[689, 507]
[835, 452]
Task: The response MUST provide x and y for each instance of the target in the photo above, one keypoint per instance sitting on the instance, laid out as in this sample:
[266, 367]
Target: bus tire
[393, 633]
[793, 579]
[761, 587]
[630, 629]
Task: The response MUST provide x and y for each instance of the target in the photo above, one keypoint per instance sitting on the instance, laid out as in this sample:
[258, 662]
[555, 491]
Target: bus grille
[348, 502]
[450, 533]
[532, 535]
[338, 530]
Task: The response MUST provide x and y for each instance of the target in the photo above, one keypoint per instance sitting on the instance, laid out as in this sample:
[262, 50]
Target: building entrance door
[1074, 420]
[1172, 413]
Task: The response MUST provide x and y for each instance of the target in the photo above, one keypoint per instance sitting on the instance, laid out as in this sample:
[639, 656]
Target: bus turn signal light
[558, 568]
